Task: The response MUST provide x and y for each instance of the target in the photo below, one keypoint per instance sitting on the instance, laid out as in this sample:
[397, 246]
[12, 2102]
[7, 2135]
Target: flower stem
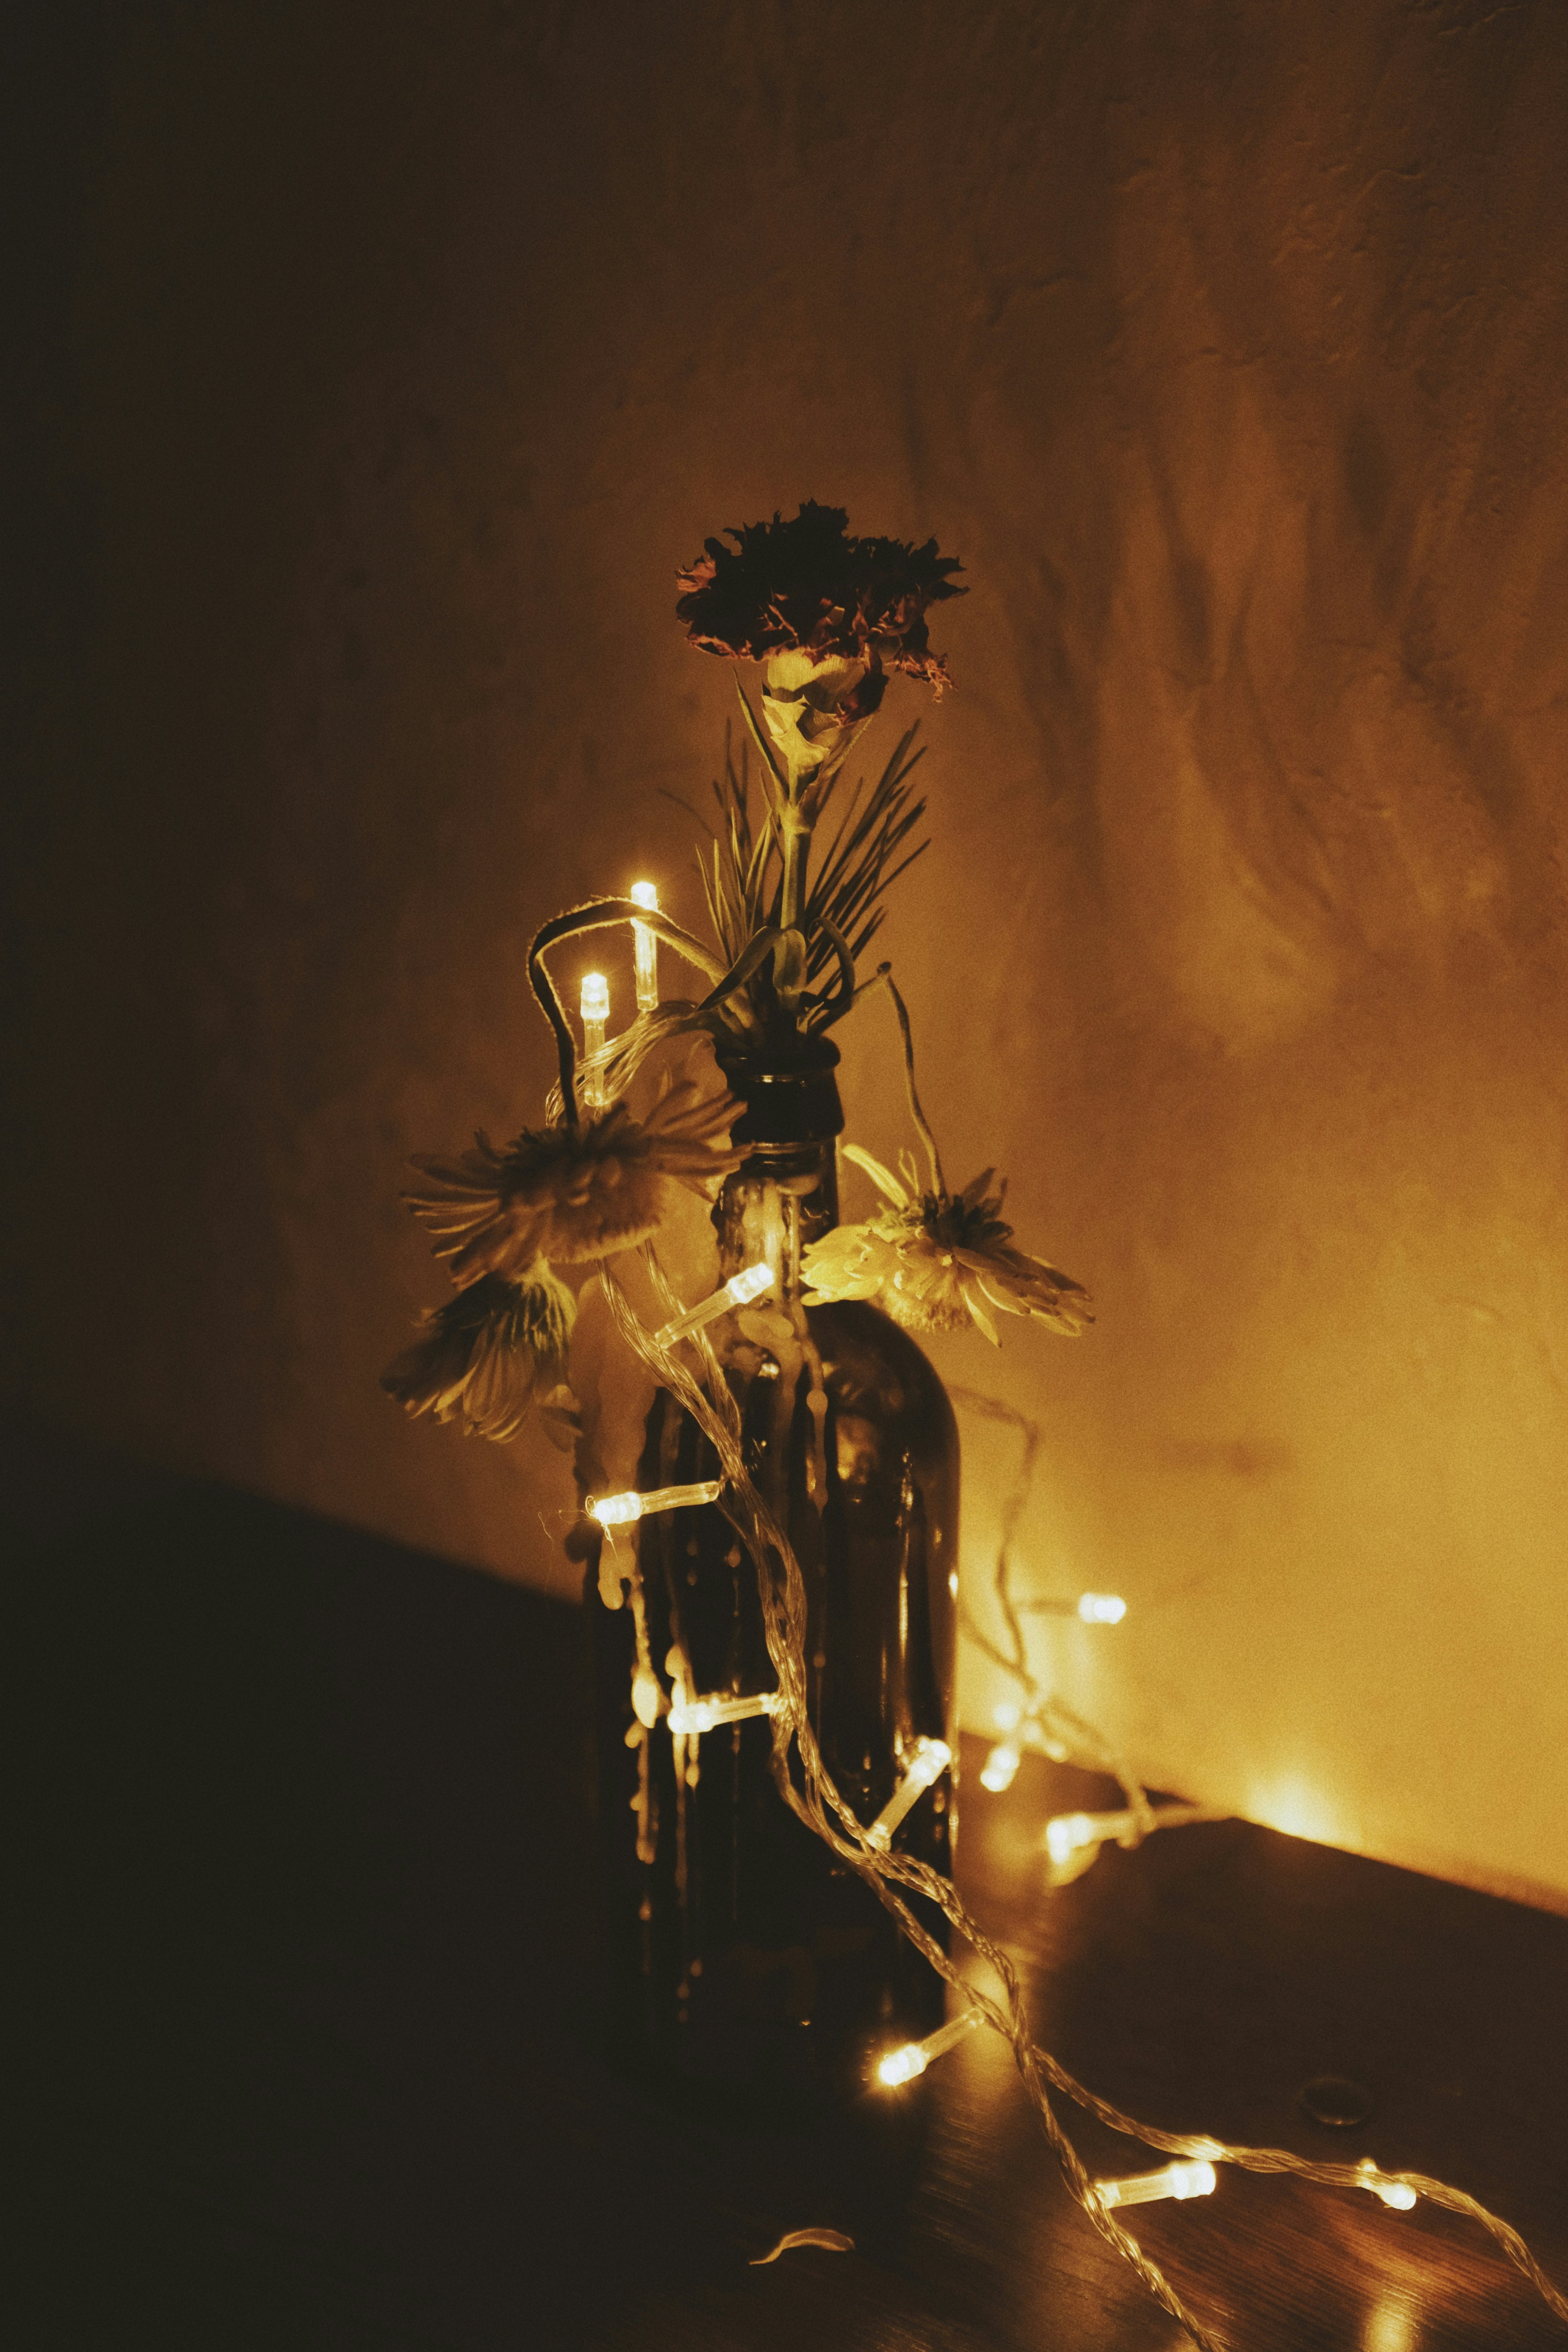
[927, 1138]
[795, 846]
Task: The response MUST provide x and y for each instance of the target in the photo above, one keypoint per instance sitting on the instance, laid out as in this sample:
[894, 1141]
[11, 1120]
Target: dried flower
[814, 711]
[805, 587]
[488, 1355]
[937, 1261]
[567, 1193]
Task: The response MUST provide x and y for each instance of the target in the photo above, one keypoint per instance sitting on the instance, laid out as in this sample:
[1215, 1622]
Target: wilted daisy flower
[567, 1193]
[938, 1261]
[488, 1355]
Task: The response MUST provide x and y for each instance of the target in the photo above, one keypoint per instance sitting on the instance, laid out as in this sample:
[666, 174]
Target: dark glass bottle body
[744, 1959]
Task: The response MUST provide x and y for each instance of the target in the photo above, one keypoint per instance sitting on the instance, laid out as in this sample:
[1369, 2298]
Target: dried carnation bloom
[938, 1262]
[806, 587]
[566, 1193]
[489, 1355]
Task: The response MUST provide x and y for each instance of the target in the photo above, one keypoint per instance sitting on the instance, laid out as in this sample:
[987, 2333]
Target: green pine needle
[741, 874]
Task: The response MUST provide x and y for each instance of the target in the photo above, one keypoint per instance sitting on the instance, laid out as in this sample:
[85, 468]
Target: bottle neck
[781, 1199]
[785, 1194]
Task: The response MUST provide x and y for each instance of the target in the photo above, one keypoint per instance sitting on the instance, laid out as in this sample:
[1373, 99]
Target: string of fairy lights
[681, 1357]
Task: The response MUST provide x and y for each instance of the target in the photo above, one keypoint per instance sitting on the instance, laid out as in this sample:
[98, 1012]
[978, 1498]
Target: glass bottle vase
[744, 1959]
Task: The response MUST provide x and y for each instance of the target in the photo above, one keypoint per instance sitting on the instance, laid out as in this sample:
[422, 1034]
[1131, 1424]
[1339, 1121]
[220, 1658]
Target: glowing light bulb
[1148, 2187]
[932, 1759]
[694, 1716]
[594, 1004]
[1000, 1769]
[738, 1291]
[1069, 1834]
[644, 947]
[1007, 1715]
[912, 2058]
[1101, 1608]
[620, 1510]
[1396, 2194]
[1072, 1840]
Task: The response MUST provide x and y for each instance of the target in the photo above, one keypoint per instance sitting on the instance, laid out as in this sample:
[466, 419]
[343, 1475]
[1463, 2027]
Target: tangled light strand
[1051, 1715]
[817, 1803]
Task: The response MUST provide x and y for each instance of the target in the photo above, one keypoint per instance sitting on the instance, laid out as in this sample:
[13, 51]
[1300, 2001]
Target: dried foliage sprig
[828, 617]
[741, 874]
[570, 1194]
[488, 1356]
[940, 1261]
[935, 1260]
[560, 1193]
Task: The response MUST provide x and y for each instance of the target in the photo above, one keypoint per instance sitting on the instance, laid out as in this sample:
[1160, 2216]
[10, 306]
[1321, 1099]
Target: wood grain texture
[309, 2054]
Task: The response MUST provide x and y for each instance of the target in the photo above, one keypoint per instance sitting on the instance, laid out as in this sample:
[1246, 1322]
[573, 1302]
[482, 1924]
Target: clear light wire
[892, 1875]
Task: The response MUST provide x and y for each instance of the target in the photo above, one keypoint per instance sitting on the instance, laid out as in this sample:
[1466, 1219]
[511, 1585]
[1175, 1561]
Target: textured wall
[386, 360]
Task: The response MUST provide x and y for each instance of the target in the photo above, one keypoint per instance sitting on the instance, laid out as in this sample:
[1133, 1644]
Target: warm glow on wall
[1291, 1805]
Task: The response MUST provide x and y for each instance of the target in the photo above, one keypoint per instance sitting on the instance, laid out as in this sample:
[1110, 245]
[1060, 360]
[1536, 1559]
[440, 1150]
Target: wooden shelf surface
[308, 2026]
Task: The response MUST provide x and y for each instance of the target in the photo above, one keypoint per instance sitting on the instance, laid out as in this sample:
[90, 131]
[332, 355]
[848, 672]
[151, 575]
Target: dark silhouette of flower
[489, 1355]
[805, 587]
[940, 1261]
[566, 1193]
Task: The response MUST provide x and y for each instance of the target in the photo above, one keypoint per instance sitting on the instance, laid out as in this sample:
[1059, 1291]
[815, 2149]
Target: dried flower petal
[567, 1193]
[935, 1262]
[488, 1355]
[834, 2241]
[806, 586]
